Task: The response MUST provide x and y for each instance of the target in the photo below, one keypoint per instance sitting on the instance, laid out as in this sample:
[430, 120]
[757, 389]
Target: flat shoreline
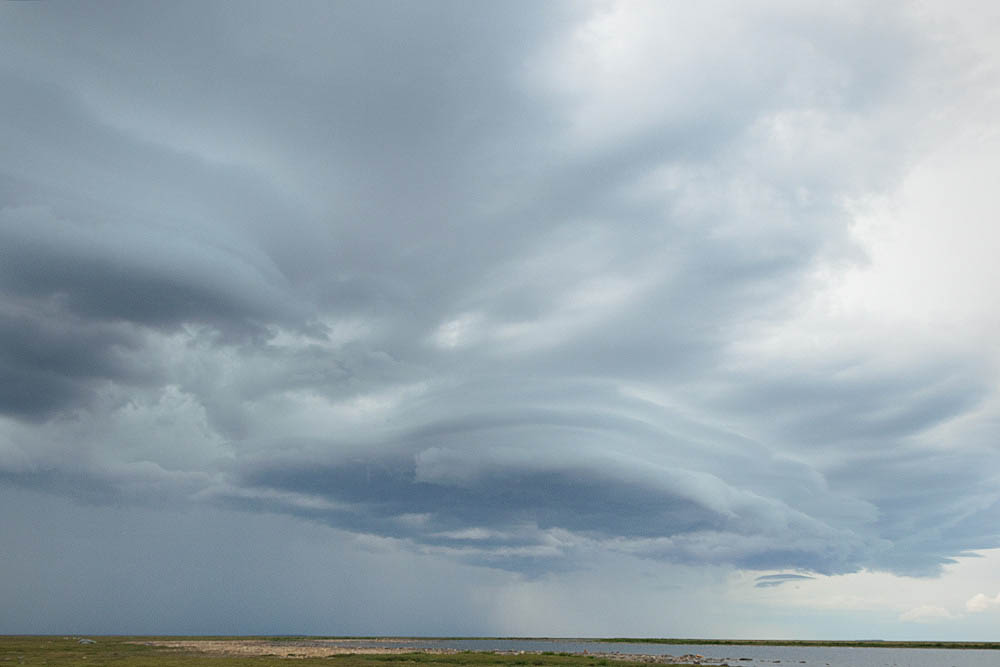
[334, 641]
[322, 648]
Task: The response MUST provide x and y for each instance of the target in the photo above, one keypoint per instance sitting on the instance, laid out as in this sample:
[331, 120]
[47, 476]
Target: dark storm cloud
[110, 272]
[774, 580]
[376, 265]
[49, 362]
[484, 513]
[554, 483]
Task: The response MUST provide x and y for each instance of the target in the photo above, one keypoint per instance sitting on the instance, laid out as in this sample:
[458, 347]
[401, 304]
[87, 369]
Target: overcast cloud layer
[517, 285]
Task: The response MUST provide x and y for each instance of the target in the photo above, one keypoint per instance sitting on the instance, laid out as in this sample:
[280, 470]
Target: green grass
[55, 651]
[120, 652]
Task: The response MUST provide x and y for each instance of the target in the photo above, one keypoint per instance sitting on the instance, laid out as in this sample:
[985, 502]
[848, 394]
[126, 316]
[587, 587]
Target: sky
[479, 318]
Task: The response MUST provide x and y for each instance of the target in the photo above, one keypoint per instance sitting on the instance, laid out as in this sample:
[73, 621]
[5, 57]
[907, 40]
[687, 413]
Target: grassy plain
[143, 652]
[60, 651]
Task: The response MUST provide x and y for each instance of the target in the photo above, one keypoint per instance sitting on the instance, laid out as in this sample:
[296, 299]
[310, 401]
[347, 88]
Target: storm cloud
[510, 284]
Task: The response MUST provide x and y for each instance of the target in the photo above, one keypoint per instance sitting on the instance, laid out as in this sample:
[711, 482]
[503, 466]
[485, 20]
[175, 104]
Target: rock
[85, 641]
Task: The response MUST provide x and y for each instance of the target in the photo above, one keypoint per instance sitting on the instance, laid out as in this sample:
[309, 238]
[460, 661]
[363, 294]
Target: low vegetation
[143, 652]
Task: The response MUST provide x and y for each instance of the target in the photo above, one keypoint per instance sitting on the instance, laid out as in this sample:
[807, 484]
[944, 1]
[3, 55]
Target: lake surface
[748, 656]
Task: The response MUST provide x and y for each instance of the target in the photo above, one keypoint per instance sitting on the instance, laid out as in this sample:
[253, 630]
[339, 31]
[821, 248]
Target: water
[743, 656]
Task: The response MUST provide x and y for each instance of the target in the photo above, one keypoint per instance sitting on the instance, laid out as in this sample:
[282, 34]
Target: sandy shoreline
[318, 648]
[285, 649]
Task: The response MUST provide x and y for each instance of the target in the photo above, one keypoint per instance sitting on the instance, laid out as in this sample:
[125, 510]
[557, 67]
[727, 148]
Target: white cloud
[925, 613]
[459, 331]
[980, 602]
[884, 594]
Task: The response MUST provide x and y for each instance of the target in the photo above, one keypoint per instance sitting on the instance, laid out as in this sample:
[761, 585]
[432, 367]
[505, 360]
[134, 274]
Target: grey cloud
[773, 580]
[400, 295]
[602, 478]
[837, 402]
[49, 362]
[107, 272]
[205, 562]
